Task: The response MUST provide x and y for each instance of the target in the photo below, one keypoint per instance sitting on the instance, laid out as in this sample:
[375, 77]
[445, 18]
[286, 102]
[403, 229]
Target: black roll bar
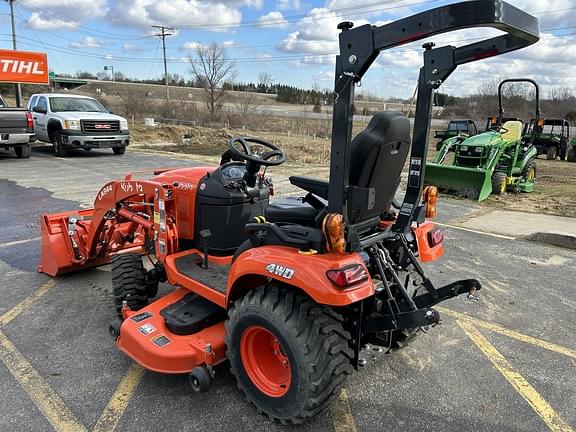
[360, 46]
[538, 113]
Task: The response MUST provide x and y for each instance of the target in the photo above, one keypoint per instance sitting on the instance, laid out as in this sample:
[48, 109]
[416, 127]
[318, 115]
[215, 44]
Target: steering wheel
[502, 130]
[274, 157]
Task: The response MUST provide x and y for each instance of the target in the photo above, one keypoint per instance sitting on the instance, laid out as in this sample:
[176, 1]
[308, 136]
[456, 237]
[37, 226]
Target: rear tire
[59, 149]
[529, 171]
[499, 182]
[552, 153]
[119, 150]
[129, 282]
[23, 151]
[571, 155]
[290, 355]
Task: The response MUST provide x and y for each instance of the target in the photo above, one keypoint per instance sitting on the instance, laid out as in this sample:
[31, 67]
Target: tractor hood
[485, 139]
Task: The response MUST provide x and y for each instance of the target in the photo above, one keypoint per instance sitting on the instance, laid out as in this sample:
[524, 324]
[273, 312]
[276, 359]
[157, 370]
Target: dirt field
[555, 191]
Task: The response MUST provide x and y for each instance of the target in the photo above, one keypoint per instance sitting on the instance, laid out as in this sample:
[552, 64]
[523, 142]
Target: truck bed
[13, 121]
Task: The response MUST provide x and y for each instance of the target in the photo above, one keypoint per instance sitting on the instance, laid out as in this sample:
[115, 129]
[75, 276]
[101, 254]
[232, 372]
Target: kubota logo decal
[278, 270]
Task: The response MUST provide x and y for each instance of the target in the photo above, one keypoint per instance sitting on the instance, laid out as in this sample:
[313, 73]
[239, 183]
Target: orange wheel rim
[265, 361]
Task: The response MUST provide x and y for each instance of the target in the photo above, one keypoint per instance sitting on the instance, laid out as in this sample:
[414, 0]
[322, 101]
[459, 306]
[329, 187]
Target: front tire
[499, 182]
[57, 142]
[129, 282]
[23, 151]
[119, 150]
[290, 355]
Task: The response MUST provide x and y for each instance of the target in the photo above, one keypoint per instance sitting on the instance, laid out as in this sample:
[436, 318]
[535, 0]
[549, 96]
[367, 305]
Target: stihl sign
[23, 67]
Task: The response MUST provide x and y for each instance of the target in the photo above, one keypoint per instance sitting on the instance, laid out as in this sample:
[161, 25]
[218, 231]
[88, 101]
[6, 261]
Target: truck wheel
[499, 182]
[290, 355]
[59, 149]
[552, 153]
[23, 151]
[129, 282]
[119, 150]
[571, 155]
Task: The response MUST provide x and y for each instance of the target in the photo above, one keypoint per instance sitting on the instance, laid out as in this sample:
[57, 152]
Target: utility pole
[17, 89]
[163, 33]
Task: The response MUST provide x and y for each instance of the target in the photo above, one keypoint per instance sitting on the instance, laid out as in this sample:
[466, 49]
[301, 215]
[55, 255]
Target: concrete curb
[560, 240]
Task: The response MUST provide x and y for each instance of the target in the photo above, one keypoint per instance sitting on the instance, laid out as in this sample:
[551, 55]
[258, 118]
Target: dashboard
[233, 171]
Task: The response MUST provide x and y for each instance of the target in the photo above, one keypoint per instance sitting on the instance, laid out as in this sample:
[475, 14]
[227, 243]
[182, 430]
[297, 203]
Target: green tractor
[495, 161]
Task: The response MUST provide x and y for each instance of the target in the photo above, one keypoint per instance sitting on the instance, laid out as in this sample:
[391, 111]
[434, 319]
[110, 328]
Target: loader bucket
[59, 254]
[473, 183]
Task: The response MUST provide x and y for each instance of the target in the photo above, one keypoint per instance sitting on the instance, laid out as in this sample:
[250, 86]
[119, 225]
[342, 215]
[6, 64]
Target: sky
[294, 41]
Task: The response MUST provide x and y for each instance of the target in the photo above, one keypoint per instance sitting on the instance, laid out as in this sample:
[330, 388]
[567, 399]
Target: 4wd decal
[278, 270]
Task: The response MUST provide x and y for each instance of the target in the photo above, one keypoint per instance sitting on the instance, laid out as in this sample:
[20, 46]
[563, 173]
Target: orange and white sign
[23, 67]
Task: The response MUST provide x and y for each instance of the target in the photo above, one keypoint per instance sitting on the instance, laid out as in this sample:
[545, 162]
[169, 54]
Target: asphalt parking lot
[503, 363]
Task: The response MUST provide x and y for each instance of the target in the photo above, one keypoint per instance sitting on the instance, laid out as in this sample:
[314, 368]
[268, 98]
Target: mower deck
[147, 339]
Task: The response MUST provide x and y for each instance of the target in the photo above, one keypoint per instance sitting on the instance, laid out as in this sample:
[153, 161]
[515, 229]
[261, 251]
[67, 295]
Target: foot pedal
[191, 314]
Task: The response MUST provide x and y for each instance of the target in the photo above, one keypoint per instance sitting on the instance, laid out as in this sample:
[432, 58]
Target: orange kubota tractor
[288, 291]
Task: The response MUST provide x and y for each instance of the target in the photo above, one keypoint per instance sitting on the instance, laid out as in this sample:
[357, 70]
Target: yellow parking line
[510, 333]
[24, 304]
[18, 242]
[341, 414]
[53, 408]
[523, 387]
[119, 402]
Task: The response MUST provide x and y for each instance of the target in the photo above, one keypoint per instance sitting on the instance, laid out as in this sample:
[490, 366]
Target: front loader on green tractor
[495, 161]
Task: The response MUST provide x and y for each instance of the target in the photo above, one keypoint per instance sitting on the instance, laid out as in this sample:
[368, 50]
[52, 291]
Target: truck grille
[100, 126]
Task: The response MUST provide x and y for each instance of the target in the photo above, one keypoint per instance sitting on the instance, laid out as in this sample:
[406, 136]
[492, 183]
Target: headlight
[72, 124]
[478, 149]
[123, 124]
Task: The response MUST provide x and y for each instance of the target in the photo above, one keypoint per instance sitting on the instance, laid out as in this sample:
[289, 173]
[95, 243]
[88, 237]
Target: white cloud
[273, 19]
[63, 14]
[87, 42]
[193, 13]
[191, 46]
[131, 48]
[325, 76]
[38, 22]
[228, 43]
[108, 57]
[288, 4]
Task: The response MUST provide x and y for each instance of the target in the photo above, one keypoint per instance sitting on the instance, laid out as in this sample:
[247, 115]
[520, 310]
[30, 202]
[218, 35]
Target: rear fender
[530, 154]
[427, 252]
[256, 266]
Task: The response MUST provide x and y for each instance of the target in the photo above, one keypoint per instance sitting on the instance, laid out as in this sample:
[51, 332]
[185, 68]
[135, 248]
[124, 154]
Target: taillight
[347, 276]
[435, 237]
[29, 121]
[334, 230]
[430, 197]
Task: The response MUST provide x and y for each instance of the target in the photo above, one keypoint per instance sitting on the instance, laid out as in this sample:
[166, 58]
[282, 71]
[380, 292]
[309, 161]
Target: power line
[17, 88]
[163, 34]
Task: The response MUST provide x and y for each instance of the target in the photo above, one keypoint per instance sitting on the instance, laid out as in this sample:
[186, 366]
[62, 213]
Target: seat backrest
[377, 157]
[513, 130]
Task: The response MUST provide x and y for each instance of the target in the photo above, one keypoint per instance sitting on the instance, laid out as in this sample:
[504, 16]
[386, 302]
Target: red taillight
[29, 121]
[435, 237]
[348, 276]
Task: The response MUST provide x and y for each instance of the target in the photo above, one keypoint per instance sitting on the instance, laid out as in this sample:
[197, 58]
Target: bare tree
[265, 80]
[211, 69]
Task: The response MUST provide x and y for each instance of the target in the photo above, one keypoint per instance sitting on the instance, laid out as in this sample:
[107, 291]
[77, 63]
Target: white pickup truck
[74, 121]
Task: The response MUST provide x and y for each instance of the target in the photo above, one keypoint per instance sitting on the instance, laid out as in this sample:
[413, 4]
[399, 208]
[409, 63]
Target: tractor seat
[514, 130]
[291, 210]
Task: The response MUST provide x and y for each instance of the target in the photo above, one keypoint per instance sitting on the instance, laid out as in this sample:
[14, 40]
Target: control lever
[205, 233]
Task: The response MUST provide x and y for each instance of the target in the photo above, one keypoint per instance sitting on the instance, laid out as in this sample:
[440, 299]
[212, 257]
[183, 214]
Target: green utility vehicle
[549, 136]
[571, 153]
[495, 161]
[463, 128]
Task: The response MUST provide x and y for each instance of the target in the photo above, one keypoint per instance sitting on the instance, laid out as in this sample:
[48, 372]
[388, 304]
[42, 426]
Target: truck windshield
[60, 104]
